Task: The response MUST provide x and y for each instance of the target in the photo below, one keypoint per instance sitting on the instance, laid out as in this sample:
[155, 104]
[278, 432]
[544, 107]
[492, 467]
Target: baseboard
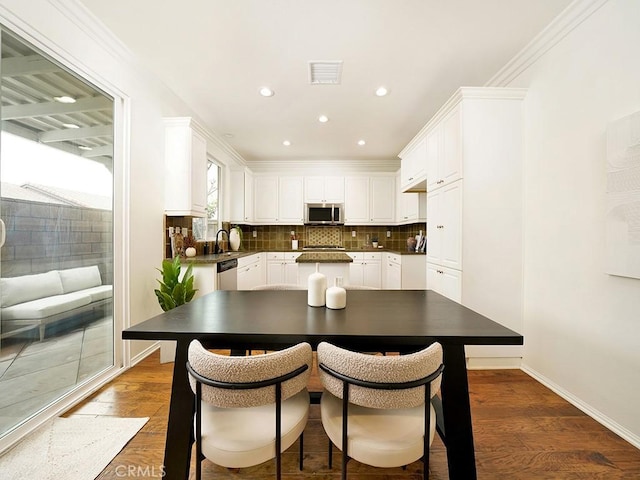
[493, 363]
[145, 353]
[598, 416]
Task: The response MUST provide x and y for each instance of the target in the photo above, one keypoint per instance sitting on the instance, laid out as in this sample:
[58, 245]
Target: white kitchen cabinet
[445, 281]
[410, 207]
[444, 226]
[324, 189]
[282, 267]
[241, 209]
[413, 167]
[382, 194]
[265, 197]
[278, 200]
[290, 200]
[366, 269]
[444, 151]
[391, 271]
[475, 204]
[251, 271]
[413, 272]
[185, 160]
[370, 200]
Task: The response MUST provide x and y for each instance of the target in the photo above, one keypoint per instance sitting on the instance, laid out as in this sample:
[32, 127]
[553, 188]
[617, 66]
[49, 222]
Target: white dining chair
[376, 409]
[249, 409]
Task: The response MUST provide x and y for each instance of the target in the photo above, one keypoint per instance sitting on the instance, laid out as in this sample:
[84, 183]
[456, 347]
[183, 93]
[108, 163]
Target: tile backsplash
[278, 237]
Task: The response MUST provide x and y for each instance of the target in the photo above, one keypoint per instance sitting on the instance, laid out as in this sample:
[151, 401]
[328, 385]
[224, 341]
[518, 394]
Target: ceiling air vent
[325, 73]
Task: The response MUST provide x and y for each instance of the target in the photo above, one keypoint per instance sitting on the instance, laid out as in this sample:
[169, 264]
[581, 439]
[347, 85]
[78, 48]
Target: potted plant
[374, 241]
[235, 238]
[173, 291]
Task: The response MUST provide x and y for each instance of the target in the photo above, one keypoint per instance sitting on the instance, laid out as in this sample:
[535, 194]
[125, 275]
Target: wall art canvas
[623, 197]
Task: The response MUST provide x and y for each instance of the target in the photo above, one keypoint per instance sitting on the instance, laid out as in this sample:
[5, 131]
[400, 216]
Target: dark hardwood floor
[522, 430]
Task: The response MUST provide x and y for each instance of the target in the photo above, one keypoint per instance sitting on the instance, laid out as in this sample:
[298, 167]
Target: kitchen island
[332, 264]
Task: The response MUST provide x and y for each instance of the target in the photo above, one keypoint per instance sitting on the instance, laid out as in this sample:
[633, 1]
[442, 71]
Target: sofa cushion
[99, 293]
[16, 290]
[45, 307]
[74, 279]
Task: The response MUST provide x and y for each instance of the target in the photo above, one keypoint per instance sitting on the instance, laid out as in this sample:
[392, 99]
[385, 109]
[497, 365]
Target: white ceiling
[216, 54]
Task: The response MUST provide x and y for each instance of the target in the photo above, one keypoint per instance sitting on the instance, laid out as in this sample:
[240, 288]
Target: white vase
[336, 295]
[316, 288]
[234, 239]
[190, 252]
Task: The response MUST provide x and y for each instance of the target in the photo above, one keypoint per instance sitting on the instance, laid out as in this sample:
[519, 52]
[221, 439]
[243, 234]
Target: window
[205, 229]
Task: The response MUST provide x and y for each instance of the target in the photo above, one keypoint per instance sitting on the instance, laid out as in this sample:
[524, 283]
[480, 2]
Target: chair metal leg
[330, 455]
[301, 451]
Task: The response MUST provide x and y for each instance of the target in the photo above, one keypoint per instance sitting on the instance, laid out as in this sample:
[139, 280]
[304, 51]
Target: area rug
[75, 448]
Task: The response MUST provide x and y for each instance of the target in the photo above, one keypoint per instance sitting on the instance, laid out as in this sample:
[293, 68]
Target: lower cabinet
[282, 267]
[392, 272]
[445, 281]
[251, 271]
[366, 269]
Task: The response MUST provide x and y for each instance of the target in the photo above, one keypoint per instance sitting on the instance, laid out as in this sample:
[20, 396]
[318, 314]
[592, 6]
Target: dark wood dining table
[374, 320]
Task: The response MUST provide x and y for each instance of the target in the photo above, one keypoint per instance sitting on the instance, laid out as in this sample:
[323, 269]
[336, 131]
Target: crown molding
[568, 20]
[337, 167]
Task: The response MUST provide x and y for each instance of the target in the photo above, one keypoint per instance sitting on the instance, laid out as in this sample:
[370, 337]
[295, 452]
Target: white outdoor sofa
[30, 301]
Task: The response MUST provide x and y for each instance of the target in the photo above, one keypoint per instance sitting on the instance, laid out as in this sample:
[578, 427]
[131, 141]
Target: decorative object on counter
[418, 241]
[411, 244]
[189, 246]
[173, 291]
[316, 288]
[294, 241]
[374, 241]
[235, 238]
[422, 246]
[178, 243]
[336, 297]
[205, 248]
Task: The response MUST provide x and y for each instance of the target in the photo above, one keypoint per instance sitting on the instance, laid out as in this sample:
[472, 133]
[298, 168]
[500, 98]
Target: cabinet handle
[410, 178]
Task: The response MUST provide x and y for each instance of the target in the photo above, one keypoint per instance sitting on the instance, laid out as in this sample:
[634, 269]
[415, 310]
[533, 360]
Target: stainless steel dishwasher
[228, 274]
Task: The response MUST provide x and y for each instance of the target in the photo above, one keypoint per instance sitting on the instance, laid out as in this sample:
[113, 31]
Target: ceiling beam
[13, 112]
[75, 134]
[106, 150]
[28, 65]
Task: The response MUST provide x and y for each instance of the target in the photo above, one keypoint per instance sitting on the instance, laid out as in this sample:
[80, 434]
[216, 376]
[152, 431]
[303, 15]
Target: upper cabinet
[185, 154]
[444, 151]
[241, 208]
[413, 167]
[410, 207]
[278, 200]
[370, 200]
[324, 189]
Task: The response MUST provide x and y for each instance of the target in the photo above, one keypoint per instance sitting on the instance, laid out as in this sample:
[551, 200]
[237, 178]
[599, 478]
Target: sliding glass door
[56, 231]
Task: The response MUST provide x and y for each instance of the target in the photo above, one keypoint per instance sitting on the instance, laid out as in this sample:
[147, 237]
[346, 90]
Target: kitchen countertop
[324, 257]
[219, 257]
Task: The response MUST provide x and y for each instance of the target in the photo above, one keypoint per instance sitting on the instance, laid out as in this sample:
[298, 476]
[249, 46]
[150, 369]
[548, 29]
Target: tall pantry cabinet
[475, 205]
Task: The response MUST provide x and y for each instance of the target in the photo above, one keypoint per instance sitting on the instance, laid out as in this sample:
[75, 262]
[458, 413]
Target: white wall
[582, 326]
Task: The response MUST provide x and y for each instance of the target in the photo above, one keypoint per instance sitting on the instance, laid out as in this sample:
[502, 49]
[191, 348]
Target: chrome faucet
[217, 248]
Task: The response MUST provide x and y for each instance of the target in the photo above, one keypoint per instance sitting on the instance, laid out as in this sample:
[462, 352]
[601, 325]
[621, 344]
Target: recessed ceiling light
[266, 92]
[70, 125]
[381, 91]
[83, 147]
[323, 119]
[65, 99]
[286, 143]
[361, 142]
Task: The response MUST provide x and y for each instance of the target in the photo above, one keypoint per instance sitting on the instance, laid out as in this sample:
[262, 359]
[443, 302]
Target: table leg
[457, 415]
[177, 449]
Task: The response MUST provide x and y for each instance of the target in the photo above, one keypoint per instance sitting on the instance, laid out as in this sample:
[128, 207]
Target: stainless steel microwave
[324, 213]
